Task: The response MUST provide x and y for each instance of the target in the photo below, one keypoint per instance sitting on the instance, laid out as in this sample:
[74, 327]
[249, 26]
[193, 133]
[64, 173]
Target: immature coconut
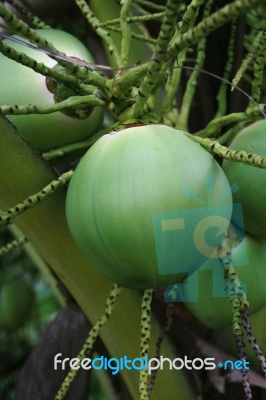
[251, 181]
[147, 205]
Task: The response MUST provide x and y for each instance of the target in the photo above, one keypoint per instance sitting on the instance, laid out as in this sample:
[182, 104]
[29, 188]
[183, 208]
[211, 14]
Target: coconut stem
[169, 320]
[221, 96]
[40, 68]
[232, 155]
[73, 102]
[93, 335]
[145, 340]
[259, 65]
[36, 22]
[35, 199]
[95, 24]
[239, 303]
[233, 288]
[252, 340]
[13, 245]
[245, 376]
[165, 35]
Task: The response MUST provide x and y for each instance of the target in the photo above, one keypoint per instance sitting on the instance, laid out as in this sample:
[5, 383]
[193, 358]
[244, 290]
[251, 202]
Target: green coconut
[141, 202]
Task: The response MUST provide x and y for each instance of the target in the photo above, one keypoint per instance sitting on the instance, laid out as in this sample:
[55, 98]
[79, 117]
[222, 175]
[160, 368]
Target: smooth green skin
[215, 312]
[124, 179]
[16, 301]
[21, 85]
[251, 181]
